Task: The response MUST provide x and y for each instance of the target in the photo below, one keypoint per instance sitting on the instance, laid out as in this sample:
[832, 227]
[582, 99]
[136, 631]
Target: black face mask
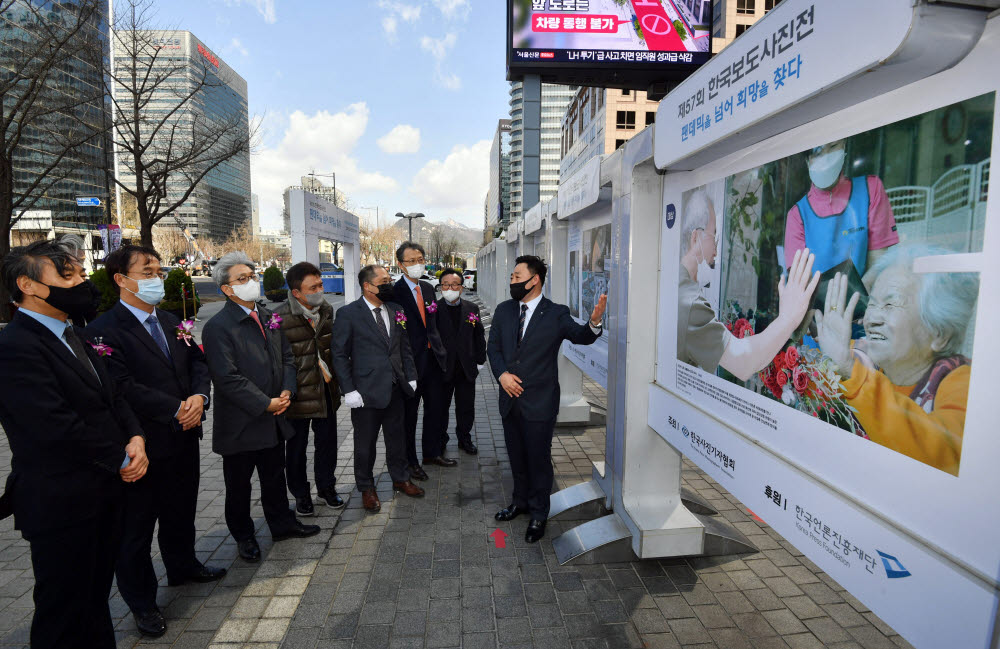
[75, 301]
[385, 292]
[518, 290]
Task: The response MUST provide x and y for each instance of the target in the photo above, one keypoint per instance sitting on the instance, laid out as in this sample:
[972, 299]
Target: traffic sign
[88, 201]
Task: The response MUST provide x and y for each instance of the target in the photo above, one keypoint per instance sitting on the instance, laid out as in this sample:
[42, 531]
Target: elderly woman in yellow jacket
[906, 379]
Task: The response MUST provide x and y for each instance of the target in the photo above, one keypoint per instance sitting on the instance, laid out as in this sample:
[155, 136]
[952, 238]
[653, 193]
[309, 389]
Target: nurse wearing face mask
[840, 218]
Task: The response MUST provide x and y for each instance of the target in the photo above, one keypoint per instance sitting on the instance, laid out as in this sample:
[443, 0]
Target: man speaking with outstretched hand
[525, 338]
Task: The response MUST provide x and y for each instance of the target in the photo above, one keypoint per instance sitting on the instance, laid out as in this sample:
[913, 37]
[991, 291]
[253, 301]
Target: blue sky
[399, 98]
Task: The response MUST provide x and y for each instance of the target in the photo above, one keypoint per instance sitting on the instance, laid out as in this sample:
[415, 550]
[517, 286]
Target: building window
[770, 4]
[745, 6]
[650, 118]
[740, 29]
[619, 144]
[626, 93]
[593, 104]
[625, 119]
[600, 97]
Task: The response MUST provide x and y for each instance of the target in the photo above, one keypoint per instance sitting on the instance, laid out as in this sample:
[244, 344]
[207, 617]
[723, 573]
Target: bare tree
[53, 119]
[435, 243]
[450, 248]
[171, 123]
[378, 244]
[170, 243]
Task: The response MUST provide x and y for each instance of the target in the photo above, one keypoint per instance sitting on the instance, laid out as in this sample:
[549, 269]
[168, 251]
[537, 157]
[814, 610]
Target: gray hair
[696, 215]
[73, 244]
[226, 263]
[946, 300]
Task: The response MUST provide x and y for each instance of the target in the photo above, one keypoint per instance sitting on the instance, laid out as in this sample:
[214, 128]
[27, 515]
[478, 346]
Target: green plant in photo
[103, 282]
[274, 283]
[176, 284]
[638, 30]
[679, 26]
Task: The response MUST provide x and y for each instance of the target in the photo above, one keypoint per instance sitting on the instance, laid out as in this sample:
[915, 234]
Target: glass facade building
[498, 199]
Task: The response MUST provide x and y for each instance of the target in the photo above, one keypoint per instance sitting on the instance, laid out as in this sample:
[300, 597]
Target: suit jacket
[248, 370]
[418, 334]
[466, 347]
[153, 384]
[67, 430]
[535, 360]
[361, 359]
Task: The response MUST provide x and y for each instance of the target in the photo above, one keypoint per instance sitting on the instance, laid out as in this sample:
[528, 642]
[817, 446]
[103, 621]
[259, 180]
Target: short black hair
[367, 275]
[27, 261]
[534, 264]
[448, 271]
[121, 260]
[297, 273]
[406, 245]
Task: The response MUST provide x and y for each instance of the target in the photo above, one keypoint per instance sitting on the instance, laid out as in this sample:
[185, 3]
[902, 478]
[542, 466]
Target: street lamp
[409, 217]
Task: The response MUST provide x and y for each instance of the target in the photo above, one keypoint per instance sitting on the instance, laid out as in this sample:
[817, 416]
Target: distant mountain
[469, 239]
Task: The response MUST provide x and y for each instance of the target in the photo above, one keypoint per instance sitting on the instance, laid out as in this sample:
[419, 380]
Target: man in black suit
[166, 381]
[74, 441]
[253, 371]
[525, 338]
[416, 296]
[464, 346]
[374, 366]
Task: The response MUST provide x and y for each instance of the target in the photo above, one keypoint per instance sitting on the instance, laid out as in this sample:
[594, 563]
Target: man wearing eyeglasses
[253, 371]
[167, 384]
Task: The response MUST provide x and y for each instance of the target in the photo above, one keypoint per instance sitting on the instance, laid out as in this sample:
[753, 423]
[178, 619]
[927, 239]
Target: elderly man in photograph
[525, 338]
[373, 363]
[166, 380]
[253, 371]
[75, 442]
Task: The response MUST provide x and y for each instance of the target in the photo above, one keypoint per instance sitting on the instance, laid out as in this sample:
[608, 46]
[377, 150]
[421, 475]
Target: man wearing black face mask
[375, 369]
[74, 440]
[74, 245]
[523, 349]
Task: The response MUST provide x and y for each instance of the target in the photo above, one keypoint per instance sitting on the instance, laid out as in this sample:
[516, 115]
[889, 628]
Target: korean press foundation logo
[893, 568]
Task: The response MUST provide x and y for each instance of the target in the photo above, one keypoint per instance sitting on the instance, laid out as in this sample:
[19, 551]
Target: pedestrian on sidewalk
[463, 340]
[525, 338]
[373, 363]
[416, 297]
[165, 379]
[253, 371]
[75, 442]
[307, 322]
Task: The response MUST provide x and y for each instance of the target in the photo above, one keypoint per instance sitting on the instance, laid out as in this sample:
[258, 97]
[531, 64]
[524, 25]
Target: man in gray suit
[375, 369]
[253, 371]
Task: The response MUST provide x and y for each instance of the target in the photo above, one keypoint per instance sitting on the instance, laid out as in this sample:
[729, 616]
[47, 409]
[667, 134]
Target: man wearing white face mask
[840, 218]
[167, 384]
[702, 340]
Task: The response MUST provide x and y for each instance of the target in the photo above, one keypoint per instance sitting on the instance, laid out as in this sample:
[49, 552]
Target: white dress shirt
[141, 316]
[384, 314]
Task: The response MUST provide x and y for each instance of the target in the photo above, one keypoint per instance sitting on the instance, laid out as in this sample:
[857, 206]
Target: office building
[498, 199]
[730, 18]
[555, 98]
[221, 203]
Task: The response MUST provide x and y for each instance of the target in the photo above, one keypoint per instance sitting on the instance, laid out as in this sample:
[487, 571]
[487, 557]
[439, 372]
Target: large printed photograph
[872, 331]
[596, 269]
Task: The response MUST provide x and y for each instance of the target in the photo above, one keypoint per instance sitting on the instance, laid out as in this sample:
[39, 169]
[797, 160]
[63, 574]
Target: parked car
[433, 281]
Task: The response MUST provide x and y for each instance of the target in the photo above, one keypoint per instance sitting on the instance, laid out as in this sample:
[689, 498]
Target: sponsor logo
[671, 216]
[685, 431]
[208, 55]
[893, 568]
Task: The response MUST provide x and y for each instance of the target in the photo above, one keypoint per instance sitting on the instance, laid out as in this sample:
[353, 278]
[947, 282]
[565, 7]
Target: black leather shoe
[469, 448]
[441, 460]
[535, 531]
[304, 506]
[150, 623]
[249, 550]
[330, 498]
[509, 513]
[417, 472]
[297, 531]
[202, 575]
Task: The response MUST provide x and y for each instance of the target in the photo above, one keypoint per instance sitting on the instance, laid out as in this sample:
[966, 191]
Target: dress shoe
[249, 550]
[440, 460]
[469, 448]
[370, 500]
[417, 472]
[535, 531]
[297, 531]
[202, 575]
[408, 488]
[304, 506]
[150, 623]
[330, 498]
[509, 513]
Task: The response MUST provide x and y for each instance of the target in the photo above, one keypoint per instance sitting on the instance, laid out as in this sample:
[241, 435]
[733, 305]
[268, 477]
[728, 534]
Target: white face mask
[248, 292]
[824, 169]
[150, 291]
[451, 296]
[415, 272]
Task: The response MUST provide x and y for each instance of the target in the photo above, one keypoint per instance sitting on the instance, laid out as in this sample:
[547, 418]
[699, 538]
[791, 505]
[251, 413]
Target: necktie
[157, 335]
[78, 350]
[256, 318]
[380, 323]
[520, 328]
[420, 305]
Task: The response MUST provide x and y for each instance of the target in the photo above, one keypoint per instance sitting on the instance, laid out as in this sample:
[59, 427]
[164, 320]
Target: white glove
[479, 368]
[413, 385]
[354, 400]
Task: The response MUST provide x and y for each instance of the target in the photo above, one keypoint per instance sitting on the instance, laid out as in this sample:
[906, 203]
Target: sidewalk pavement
[425, 573]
